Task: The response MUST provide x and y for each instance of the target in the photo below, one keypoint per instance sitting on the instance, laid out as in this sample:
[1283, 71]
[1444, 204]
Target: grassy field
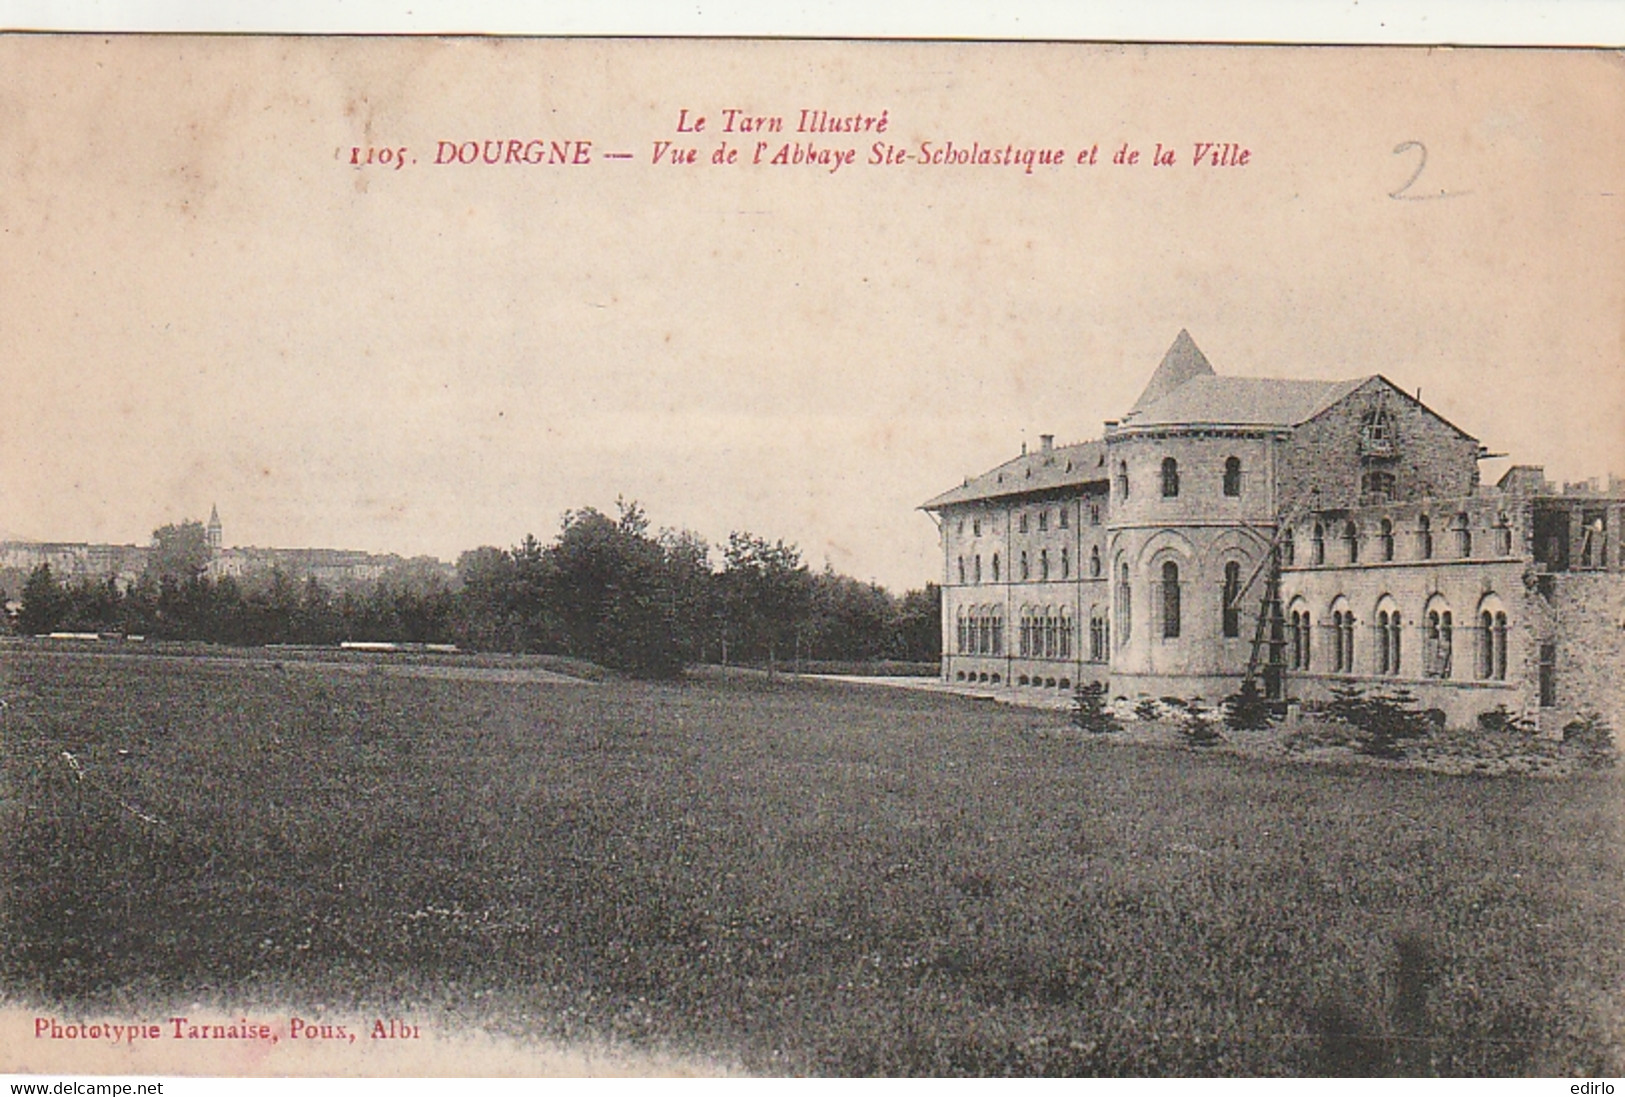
[796, 877]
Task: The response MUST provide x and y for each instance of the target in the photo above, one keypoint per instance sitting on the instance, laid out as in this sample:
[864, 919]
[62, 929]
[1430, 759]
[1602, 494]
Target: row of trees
[606, 589]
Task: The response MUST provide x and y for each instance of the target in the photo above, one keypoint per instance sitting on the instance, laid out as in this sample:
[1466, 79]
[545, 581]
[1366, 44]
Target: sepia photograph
[810, 558]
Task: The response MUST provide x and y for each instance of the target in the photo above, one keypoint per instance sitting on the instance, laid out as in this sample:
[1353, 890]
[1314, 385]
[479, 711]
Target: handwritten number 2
[1406, 146]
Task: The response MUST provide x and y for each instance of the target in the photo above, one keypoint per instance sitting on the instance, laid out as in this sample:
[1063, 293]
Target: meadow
[790, 876]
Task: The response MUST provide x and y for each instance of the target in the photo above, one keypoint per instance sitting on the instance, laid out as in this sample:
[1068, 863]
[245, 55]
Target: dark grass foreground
[799, 877]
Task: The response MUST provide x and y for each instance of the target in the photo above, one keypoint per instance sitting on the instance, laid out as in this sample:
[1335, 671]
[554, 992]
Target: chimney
[1046, 442]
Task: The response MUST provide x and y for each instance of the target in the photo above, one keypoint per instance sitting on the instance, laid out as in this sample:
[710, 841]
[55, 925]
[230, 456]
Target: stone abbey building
[1303, 533]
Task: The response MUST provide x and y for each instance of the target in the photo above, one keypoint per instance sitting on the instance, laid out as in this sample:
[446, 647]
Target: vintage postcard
[635, 556]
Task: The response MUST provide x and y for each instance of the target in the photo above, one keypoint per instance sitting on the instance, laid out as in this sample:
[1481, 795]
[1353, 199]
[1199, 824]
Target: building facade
[1299, 533]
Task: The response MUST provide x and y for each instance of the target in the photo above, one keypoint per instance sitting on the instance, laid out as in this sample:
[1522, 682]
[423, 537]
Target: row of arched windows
[1042, 566]
[1045, 632]
[1023, 520]
[1229, 483]
[1437, 628]
[980, 630]
[1043, 570]
[1383, 548]
[973, 572]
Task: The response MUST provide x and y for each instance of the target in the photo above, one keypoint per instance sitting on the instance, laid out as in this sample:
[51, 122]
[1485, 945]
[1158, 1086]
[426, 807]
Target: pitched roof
[1041, 470]
[1241, 401]
[1183, 361]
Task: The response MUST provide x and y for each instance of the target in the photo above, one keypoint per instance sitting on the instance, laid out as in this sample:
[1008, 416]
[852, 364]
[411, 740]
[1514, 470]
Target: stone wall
[1433, 458]
[1588, 630]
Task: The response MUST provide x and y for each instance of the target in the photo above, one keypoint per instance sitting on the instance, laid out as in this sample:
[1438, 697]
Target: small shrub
[1593, 738]
[1197, 729]
[1147, 709]
[1247, 710]
[1382, 723]
[1500, 720]
[1090, 711]
[1173, 704]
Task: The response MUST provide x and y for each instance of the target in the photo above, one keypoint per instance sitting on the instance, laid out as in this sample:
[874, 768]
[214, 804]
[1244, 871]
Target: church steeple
[214, 531]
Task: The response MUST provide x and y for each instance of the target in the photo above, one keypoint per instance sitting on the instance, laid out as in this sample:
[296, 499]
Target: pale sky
[201, 301]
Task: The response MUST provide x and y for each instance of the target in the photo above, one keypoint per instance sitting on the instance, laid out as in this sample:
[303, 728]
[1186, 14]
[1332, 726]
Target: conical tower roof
[1183, 361]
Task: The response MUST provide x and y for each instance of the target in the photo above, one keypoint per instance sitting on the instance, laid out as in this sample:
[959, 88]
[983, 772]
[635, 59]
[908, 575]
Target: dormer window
[1377, 435]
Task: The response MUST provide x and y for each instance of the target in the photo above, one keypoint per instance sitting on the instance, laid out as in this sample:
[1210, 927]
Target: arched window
[1062, 515]
[1437, 640]
[1351, 542]
[1170, 478]
[1052, 637]
[1170, 600]
[1395, 631]
[1024, 633]
[1342, 638]
[1024, 569]
[1066, 633]
[1385, 636]
[1021, 522]
[1385, 539]
[995, 567]
[1230, 597]
[961, 571]
[1097, 636]
[1424, 537]
[1066, 561]
[976, 527]
[1492, 639]
[1464, 536]
[1125, 604]
[1317, 542]
[1094, 562]
[976, 573]
[1501, 646]
[1232, 476]
[1503, 536]
[1294, 640]
[1122, 479]
[1288, 548]
[1043, 563]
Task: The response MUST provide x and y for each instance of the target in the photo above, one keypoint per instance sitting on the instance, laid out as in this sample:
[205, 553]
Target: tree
[608, 583]
[180, 552]
[919, 624]
[766, 592]
[43, 603]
